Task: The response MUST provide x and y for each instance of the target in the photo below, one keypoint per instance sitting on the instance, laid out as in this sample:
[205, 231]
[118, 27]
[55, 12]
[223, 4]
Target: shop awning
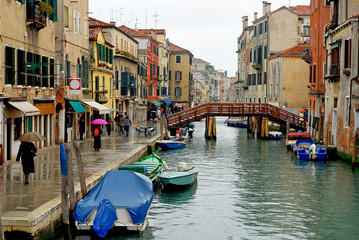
[101, 108]
[27, 108]
[78, 107]
[168, 102]
[156, 103]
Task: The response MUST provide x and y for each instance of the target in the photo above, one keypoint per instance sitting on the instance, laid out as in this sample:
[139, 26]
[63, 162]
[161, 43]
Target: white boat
[121, 199]
[274, 134]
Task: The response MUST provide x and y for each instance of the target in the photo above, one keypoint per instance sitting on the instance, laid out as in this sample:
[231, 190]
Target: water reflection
[177, 196]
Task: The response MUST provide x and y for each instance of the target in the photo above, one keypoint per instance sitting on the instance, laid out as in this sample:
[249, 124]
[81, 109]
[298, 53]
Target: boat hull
[167, 145]
[178, 178]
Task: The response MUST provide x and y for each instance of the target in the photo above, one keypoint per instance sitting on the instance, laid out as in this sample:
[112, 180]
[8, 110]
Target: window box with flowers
[101, 91]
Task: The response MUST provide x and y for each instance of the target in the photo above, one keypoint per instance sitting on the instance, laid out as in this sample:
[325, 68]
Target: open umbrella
[31, 137]
[302, 111]
[99, 121]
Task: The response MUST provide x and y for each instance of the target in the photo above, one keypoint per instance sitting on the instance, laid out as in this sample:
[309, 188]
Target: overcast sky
[207, 28]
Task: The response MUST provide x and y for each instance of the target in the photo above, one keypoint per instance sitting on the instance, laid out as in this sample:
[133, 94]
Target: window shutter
[54, 13]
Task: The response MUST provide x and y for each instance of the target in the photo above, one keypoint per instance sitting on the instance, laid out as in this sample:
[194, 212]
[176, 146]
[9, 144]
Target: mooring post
[70, 178]
[64, 187]
[214, 133]
[161, 127]
[2, 236]
[80, 169]
[288, 126]
[355, 147]
[266, 134]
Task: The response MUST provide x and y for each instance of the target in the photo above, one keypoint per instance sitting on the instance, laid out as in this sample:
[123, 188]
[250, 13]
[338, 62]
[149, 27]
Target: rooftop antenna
[156, 20]
[121, 13]
[136, 23]
[146, 20]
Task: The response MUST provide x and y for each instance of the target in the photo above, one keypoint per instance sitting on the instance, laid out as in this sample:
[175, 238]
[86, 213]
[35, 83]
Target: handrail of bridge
[234, 110]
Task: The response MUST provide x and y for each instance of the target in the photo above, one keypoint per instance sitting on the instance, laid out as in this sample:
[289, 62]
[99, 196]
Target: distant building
[180, 75]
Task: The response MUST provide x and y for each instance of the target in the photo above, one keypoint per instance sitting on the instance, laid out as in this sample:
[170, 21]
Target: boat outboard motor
[182, 166]
[190, 132]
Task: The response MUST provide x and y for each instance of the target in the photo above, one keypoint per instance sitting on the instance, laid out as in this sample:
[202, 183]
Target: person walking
[120, 129]
[27, 152]
[97, 138]
[82, 127]
[127, 123]
[109, 124]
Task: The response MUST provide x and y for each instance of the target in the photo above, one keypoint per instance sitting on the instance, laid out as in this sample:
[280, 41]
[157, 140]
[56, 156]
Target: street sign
[75, 86]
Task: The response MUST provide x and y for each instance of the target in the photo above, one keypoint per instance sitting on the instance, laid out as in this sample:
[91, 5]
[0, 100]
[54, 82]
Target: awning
[78, 107]
[156, 103]
[168, 102]
[27, 108]
[101, 108]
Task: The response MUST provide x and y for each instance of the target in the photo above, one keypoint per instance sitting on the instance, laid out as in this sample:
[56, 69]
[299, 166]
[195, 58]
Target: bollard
[64, 188]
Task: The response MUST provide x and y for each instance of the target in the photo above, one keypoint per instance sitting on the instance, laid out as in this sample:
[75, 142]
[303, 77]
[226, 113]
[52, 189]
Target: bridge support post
[264, 127]
[249, 124]
[288, 126]
[210, 132]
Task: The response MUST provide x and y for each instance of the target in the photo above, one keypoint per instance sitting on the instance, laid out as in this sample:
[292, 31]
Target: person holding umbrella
[27, 152]
[97, 133]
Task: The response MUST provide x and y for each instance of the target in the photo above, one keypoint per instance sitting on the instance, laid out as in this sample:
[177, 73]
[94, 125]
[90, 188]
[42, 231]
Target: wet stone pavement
[18, 199]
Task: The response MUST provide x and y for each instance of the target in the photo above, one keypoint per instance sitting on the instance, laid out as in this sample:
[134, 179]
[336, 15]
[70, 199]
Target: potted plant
[45, 8]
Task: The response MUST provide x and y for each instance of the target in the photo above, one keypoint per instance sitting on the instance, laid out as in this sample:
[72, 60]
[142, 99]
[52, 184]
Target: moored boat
[121, 199]
[309, 150]
[169, 144]
[274, 135]
[184, 176]
[236, 122]
[293, 137]
[150, 166]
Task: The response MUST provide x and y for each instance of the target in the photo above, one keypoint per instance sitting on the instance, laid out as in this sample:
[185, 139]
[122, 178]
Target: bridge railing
[234, 109]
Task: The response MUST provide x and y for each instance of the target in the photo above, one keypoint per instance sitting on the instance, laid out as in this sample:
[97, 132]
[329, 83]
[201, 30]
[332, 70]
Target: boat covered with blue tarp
[126, 196]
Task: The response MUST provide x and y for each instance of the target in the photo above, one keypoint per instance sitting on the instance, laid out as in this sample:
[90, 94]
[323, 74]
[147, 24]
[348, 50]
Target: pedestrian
[159, 113]
[97, 137]
[27, 152]
[120, 130]
[82, 127]
[109, 124]
[127, 123]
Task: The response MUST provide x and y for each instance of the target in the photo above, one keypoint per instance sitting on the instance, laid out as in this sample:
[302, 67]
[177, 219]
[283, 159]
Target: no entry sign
[75, 86]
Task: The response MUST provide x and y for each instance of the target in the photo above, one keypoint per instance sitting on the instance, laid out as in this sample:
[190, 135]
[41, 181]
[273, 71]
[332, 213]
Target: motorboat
[121, 199]
[150, 166]
[293, 137]
[170, 144]
[274, 134]
[182, 177]
[309, 150]
[236, 122]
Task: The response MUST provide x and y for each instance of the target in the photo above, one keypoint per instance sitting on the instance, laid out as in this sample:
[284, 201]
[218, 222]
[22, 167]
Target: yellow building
[101, 73]
[180, 76]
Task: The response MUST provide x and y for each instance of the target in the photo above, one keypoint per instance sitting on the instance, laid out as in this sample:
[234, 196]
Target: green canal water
[253, 189]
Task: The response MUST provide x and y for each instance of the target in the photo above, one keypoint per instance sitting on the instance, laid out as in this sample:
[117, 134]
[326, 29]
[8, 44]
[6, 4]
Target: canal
[254, 189]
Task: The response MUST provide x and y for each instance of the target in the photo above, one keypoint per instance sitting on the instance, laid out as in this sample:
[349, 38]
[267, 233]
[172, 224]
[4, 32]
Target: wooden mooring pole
[80, 169]
[2, 236]
[70, 178]
[210, 132]
[161, 127]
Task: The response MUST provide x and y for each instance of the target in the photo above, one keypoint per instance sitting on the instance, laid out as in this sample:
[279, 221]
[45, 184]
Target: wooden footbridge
[273, 113]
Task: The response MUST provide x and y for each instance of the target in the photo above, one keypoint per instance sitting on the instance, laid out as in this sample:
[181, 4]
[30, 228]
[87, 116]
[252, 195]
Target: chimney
[245, 22]
[266, 8]
[255, 15]
[113, 23]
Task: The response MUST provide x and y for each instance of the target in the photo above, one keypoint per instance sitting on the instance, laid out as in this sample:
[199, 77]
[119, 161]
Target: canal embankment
[35, 209]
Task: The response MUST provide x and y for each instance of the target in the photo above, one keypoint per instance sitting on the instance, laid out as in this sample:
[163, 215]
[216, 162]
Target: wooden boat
[150, 166]
[169, 144]
[274, 135]
[121, 199]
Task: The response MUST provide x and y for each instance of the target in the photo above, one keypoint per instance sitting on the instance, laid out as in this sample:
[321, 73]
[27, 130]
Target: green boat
[151, 166]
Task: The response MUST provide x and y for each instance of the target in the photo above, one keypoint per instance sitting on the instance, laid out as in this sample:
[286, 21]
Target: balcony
[101, 97]
[34, 17]
[257, 66]
[334, 73]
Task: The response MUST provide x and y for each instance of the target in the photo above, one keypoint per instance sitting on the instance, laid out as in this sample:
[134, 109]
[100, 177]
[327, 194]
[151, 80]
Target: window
[260, 29]
[347, 57]
[253, 79]
[271, 90]
[17, 128]
[255, 31]
[315, 37]
[169, 74]
[53, 4]
[85, 74]
[259, 78]
[265, 78]
[178, 92]
[249, 79]
[52, 73]
[265, 26]
[37, 71]
[265, 52]
[272, 67]
[68, 72]
[314, 73]
[277, 67]
[316, 4]
[20, 67]
[327, 3]
[79, 24]
[85, 27]
[9, 65]
[178, 59]
[29, 73]
[250, 55]
[74, 18]
[306, 30]
[44, 72]
[178, 75]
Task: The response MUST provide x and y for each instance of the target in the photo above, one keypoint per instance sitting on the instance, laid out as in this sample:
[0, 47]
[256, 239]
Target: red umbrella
[302, 111]
[99, 121]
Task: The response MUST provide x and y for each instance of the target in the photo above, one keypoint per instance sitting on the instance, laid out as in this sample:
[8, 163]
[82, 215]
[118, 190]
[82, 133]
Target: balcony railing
[335, 69]
[34, 17]
[101, 98]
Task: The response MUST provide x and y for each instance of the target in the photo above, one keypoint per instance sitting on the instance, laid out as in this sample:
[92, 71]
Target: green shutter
[54, 13]
[21, 1]
[13, 66]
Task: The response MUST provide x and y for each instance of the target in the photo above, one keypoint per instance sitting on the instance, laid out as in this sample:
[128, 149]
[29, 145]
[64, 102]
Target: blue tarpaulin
[126, 189]
[168, 102]
[105, 218]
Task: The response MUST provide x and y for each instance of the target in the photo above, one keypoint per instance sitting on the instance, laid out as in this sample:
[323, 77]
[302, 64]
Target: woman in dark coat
[97, 138]
[27, 152]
